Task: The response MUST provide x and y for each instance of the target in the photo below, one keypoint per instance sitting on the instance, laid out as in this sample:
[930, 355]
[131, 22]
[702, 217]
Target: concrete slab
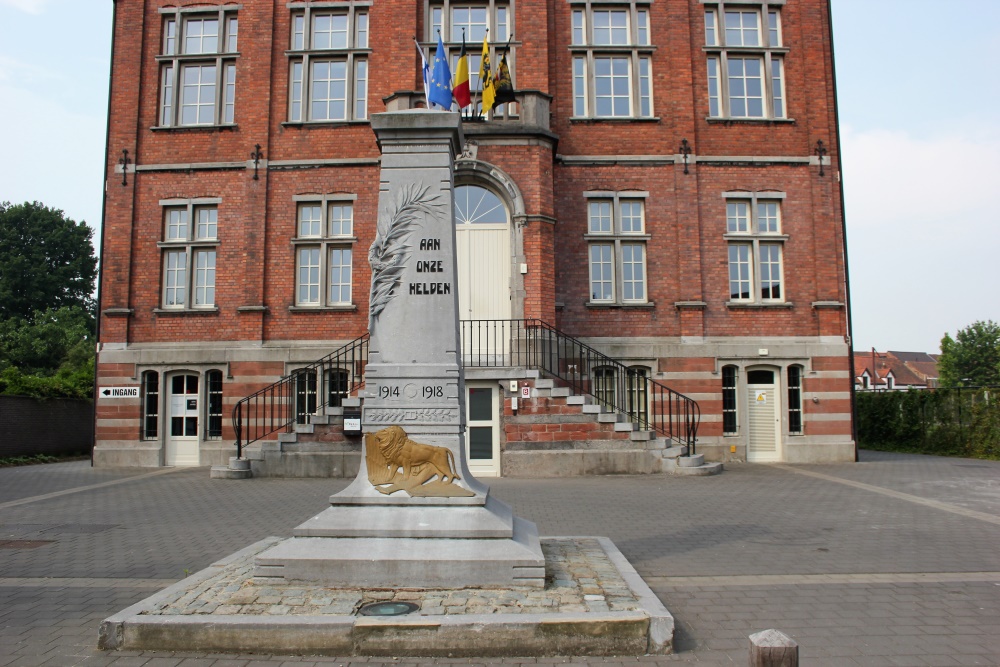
[224, 609]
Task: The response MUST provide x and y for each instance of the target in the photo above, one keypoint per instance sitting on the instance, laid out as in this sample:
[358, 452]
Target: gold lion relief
[396, 463]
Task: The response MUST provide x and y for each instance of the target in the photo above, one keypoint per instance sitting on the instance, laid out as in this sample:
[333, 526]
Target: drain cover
[388, 609]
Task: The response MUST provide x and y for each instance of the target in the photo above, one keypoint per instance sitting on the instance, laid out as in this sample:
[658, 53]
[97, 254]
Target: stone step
[545, 383]
[699, 471]
[691, 461]
[577, 400]
[288, 437]
[334, 412]
[533, 374]
[625, 426]
[319, 420]
[304, 428]
[639, 435]
[608, 417]
[560, 392]
[351, 402]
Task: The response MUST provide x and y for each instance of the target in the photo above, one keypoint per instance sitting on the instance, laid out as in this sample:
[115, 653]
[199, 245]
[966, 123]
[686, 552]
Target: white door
[182, 430]
[482, 437]
[482, 238]
[763, 417]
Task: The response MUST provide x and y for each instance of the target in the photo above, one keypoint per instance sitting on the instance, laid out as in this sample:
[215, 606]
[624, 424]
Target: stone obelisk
[414, 516]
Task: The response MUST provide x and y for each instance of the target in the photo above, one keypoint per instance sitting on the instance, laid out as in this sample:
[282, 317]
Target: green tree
[46, 261]
[972, 357]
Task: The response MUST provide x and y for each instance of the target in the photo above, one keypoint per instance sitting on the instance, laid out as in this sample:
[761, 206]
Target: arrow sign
[119, 392]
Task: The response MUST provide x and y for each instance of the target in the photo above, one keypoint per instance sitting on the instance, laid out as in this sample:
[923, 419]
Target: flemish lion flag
[486, 76]
[460, 91]
[504, 86]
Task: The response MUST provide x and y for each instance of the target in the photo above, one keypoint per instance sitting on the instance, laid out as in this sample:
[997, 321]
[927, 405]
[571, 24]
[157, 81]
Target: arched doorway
[482, 237]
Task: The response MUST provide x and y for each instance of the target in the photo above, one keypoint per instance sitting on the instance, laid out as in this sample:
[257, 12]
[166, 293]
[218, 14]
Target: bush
[945, 422]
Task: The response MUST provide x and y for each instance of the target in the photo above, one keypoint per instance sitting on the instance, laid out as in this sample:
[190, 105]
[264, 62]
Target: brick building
[664, 191]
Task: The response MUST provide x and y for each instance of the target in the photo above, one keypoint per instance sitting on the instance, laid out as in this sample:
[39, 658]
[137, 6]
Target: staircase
[588, 413]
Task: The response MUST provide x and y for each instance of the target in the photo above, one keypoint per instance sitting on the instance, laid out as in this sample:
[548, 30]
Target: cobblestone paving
[579, 578]
[910, 584]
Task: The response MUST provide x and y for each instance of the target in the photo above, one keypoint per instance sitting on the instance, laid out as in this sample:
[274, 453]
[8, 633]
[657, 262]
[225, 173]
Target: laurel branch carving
[388, 253]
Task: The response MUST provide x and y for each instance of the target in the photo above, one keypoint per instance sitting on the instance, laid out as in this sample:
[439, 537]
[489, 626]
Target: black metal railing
[535, 344]
[300, 394]
[526, 343]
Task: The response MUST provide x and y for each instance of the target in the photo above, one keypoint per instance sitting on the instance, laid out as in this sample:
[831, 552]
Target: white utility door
[482, 437]
[182, 443]
[763, 417]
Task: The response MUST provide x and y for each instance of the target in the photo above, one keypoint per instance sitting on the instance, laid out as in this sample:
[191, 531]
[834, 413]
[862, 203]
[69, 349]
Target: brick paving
[856, 576]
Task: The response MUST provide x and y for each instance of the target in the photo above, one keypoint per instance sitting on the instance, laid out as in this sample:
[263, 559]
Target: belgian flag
[460, 91]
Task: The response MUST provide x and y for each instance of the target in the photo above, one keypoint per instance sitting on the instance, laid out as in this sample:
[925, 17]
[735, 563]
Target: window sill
[751, 305]
[214, 310]
[207, 243]
[306, 240]
[601, 304]
[589, 120]
[760, 236]
[301, 124]
[621, 236]
[726, 120]
[117, 312]
[754, 50]
[322, 309]
[252, 309]
[195, 128]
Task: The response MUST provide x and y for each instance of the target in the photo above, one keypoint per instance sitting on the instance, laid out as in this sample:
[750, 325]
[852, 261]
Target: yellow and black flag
[504, 92]
[486, 75]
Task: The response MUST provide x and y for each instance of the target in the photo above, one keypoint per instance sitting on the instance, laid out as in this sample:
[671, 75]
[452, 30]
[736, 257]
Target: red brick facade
[685, 330]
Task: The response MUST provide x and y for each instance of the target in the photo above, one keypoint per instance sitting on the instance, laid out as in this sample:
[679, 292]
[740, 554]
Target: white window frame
[744, 230]
[440, 15]
[629, 46]
[192, 242]
[723, 49]
[178, 59]
[304, 54]
[617, 237]
[322, 237]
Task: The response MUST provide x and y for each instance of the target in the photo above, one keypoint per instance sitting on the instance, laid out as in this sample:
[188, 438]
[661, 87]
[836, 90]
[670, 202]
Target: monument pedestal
[414, 517]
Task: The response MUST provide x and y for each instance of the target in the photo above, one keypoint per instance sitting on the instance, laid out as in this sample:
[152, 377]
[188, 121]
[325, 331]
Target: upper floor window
[190, 242]
[753, 229]
[473, 22]
[328, 64]
[612, 75]
[198, 67]
[616, 243]
[324, 249]
[745, 61]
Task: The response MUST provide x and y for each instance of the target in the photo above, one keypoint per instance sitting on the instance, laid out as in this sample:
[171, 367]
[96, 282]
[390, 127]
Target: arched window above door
[476, 205]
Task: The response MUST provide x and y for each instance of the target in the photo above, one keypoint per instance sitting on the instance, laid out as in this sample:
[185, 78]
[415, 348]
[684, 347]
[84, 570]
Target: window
[617, 247]
[338, 385]
[213, 386]
[305, 395]
[605, 381]
[150, 406]
[795, 399]
[729, 426]
[473, 19]
[745, 62]
[198, 67]
[190, 241]
[753, 229]
[324, 246]
[328, 65]
[611, 49]
[637, 393]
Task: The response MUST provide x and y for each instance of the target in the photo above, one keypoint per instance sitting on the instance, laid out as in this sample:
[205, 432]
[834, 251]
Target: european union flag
[440, 93]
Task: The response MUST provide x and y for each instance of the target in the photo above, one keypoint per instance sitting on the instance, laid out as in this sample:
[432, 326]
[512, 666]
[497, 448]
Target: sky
[919, 94]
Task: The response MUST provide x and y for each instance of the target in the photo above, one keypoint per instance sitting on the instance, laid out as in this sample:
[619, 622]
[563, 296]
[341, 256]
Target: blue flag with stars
[440, 93]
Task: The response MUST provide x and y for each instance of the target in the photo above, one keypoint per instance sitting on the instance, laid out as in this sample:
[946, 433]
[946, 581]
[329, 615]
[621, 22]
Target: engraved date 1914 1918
[427, 391]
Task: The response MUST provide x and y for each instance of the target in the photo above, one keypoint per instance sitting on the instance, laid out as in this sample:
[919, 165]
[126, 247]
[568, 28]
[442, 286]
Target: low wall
[30, 426]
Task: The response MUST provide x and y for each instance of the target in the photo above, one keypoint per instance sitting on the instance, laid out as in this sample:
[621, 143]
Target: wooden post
[771, 648]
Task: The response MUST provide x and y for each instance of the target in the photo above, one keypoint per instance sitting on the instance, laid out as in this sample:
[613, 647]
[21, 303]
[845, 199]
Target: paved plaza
[893, 561]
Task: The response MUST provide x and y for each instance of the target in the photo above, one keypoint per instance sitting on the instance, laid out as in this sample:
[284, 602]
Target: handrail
[294, 397]
[534, 343]
[529, 343]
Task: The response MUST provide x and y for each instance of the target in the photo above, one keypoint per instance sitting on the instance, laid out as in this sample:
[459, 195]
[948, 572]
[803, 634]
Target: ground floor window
[729, 425]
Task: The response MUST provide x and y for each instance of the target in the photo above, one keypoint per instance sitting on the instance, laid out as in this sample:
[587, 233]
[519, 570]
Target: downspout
[104, 211]
[843, 222]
